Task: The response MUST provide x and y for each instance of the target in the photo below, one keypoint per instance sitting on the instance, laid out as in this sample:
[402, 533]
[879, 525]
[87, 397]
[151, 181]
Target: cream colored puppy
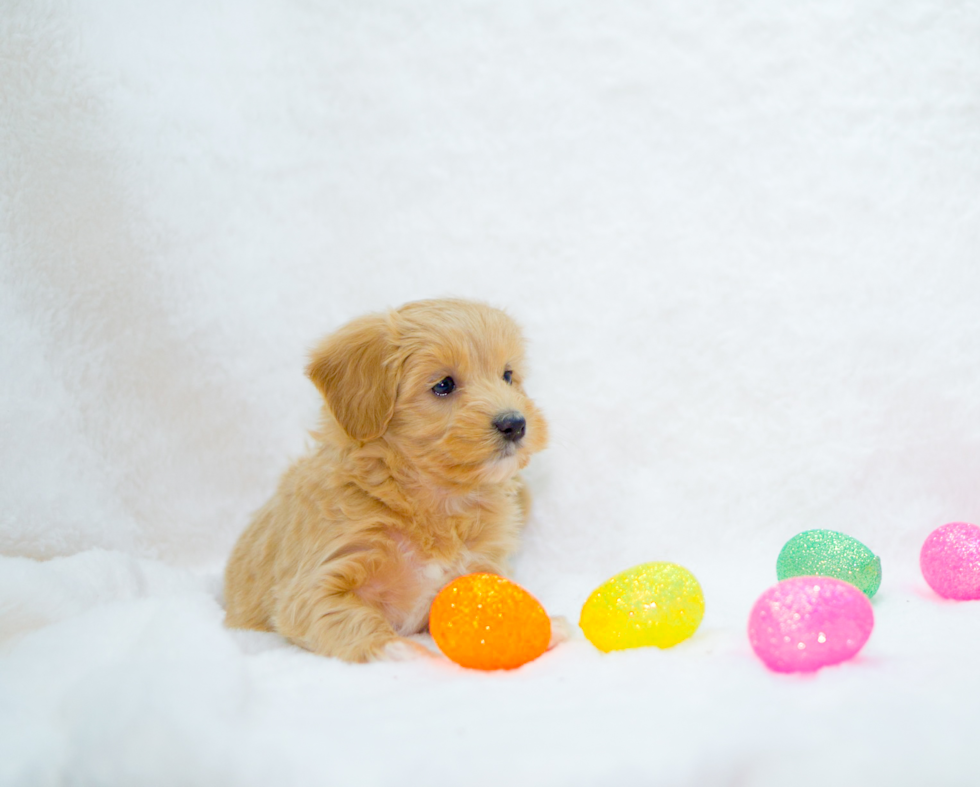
[413, 482]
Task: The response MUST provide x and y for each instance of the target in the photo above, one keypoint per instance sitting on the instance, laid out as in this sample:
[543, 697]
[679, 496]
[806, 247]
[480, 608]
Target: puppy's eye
[508, 377]
[444, 387]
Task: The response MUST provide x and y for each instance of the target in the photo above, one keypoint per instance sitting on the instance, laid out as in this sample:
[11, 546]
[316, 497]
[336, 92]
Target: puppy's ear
[357, 370]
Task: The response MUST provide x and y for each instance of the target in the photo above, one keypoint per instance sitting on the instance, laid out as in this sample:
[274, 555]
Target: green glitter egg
[827, 553]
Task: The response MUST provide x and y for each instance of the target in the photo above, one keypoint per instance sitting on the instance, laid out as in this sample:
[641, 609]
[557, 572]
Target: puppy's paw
[561, 630]
[404, 649]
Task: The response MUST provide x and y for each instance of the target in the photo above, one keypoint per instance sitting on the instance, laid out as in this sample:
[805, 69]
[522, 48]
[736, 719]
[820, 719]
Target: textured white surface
[742, 239]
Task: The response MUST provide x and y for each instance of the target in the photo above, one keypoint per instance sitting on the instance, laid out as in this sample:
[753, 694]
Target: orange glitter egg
[483, 621]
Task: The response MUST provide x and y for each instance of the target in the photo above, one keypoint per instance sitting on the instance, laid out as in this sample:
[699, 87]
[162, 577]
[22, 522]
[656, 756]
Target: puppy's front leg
[327, 616]
[561, 631]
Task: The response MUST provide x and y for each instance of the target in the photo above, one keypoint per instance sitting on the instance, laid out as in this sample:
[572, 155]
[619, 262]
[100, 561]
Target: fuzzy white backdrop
[743, 240]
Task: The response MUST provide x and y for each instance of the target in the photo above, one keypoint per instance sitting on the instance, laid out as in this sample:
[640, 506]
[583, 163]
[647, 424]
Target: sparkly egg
[950, 561]
[483, 621]
[805, 623]
[827, 553]
[652, 604]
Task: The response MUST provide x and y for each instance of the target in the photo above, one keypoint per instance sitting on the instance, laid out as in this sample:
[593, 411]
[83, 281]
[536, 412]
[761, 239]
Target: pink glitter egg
[805, 623]
[950, 561]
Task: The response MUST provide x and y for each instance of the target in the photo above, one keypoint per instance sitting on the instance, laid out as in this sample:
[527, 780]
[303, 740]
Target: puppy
[414, 482]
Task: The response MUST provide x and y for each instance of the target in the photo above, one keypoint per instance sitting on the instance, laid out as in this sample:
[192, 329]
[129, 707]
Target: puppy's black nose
[511, 426]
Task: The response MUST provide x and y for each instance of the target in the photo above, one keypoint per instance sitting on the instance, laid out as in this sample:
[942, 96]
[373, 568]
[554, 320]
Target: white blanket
[742, 240]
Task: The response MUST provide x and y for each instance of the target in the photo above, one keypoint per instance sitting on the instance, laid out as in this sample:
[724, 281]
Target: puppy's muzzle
[511, 426]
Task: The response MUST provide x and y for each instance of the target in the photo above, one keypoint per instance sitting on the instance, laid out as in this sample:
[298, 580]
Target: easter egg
[483, 621]
[950, 561]
[805, 623]
[827, 553]
[652, 604]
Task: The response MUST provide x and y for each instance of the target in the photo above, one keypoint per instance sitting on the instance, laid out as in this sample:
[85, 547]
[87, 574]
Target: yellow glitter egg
[483, 621]
[653, 604]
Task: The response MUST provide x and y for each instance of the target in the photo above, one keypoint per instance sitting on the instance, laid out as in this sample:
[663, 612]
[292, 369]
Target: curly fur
[405, 491]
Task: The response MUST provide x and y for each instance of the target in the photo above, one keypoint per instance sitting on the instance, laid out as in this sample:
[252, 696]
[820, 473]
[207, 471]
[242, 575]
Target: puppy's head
[442, 382]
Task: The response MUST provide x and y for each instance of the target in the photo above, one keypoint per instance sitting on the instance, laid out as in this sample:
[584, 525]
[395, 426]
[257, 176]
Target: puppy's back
[250, 574]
